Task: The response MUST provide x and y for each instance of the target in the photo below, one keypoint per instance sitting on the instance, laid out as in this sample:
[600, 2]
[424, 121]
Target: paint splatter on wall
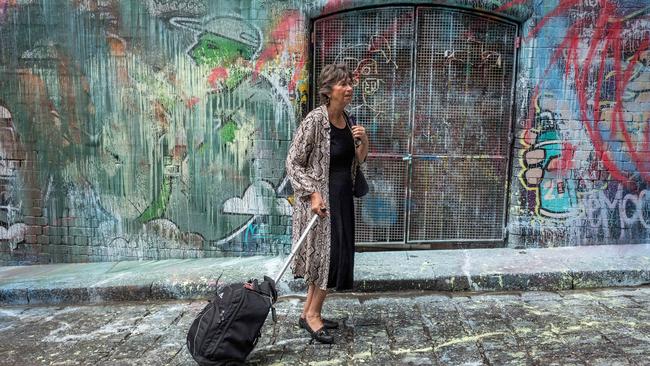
[584, 137]
[158, 129]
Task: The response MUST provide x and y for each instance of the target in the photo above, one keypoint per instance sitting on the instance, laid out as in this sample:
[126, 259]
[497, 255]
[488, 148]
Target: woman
[321, 165]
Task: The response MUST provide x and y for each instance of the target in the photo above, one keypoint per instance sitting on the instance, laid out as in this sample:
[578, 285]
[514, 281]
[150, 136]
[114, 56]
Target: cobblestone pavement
[599, 327]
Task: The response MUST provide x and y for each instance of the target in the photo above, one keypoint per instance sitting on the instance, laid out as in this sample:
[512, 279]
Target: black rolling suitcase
[227, 329]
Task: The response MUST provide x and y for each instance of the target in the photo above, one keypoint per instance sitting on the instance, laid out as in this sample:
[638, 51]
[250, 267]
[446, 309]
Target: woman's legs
[310, 294]
[313, 312]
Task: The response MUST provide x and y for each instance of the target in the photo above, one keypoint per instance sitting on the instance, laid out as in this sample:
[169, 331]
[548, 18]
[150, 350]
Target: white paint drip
[465, 268]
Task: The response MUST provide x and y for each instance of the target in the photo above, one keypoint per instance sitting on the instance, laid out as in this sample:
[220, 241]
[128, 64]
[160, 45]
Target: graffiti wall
[153, 129]
[582, 149]
[158, 129]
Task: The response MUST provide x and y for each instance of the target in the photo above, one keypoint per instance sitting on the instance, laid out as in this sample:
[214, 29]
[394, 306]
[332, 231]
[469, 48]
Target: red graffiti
[192, 102]
[279, 34]
[335, 5]
[565, 161]
[296, 74]
[218, 74]
[605, 43]
[511, 4]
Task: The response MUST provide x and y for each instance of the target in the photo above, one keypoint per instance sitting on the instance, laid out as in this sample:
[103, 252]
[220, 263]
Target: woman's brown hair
[331, 75]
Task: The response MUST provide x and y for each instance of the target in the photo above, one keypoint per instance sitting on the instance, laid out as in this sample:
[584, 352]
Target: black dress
[341, 205]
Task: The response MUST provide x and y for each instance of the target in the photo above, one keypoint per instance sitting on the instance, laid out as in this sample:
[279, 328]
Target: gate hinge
[312, 37]
[517, 42]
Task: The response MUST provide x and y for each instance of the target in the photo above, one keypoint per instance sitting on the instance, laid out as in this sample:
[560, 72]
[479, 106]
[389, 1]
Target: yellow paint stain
[326, 362]
[409, 350]
[468, 339]
[448, 343]
[359, 355]
[555, 330]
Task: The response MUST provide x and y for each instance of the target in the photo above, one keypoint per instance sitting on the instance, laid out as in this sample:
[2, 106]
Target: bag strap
[351, 121]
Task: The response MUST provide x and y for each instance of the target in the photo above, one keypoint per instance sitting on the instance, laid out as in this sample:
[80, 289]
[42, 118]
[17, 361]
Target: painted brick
[31, 220]
[125, 182]
[34, 230]
[79, 240]
[79, 231]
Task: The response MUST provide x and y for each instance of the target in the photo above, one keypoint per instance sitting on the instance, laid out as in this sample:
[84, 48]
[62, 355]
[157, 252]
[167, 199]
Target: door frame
[405, 244]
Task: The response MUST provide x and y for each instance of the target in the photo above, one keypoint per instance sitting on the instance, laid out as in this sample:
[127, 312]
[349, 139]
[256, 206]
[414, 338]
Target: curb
[549, 281]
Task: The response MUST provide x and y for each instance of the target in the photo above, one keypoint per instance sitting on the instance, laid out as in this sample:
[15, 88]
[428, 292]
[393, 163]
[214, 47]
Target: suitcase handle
[296, 248]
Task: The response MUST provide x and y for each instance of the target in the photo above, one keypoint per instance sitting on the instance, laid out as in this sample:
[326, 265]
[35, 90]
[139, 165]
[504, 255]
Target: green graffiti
[228, 132]
[158, 207]
[212, 50]
[236, 76]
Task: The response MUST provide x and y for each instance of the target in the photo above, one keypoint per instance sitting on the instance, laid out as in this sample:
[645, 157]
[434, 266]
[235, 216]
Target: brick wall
[152, 130]
[581, 154]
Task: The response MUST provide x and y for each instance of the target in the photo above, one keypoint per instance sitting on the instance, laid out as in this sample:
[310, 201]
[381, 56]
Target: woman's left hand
[359, 133]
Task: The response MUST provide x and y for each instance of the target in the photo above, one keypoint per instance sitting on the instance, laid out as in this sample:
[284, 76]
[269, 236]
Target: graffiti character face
[221, 40]
[212, 50]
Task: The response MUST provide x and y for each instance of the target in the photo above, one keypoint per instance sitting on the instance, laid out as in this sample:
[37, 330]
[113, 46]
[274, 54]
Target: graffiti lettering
[631, 208]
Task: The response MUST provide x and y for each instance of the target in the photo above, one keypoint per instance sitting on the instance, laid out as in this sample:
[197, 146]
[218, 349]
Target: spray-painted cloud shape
[15, 233]
[168, 229]
[259, 199]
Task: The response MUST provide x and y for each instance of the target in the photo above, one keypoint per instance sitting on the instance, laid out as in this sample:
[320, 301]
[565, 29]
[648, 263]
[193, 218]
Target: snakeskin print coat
[308, 165]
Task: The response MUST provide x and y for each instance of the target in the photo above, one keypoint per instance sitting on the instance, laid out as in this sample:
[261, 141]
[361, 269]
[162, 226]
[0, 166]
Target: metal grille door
[461, 129]
[377, 44]
[435, 94]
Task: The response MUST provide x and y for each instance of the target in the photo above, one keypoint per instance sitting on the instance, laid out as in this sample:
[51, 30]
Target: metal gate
[435, 92]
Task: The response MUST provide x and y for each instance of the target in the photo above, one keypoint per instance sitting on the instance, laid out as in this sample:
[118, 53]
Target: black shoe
[328, 324]
[321, 335]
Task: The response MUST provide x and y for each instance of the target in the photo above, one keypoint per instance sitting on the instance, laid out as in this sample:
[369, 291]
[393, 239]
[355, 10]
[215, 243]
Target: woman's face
[342, 93]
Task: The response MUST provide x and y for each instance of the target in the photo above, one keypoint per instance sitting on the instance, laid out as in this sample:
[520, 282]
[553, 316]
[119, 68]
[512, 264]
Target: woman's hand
[317, 205]
[359, 133]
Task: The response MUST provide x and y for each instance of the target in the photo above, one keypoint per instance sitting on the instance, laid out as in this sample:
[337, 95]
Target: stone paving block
[147, 330]
[54, 333]
[506, 356]
[371, 343]
[392, 330]
[171, 347]
[620, 361]
[464, 353]
[553, 353]
[637, 354]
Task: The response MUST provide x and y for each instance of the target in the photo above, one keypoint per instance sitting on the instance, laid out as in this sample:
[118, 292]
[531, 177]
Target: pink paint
[279, 34]
[511, 4]
[4, 6]
[296, 74]
[566, 160]
[334, 5]
[192, 102]
[218, 74]
[282, 31]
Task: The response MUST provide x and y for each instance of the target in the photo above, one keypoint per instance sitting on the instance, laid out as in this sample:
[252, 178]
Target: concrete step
[499, 269]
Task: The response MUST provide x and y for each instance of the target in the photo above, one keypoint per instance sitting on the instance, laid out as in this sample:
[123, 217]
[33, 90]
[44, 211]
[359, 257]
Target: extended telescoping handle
[297, 247]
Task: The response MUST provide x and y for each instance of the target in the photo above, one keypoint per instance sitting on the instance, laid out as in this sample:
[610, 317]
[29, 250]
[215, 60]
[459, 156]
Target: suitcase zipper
[197, 331]
[241, 301]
